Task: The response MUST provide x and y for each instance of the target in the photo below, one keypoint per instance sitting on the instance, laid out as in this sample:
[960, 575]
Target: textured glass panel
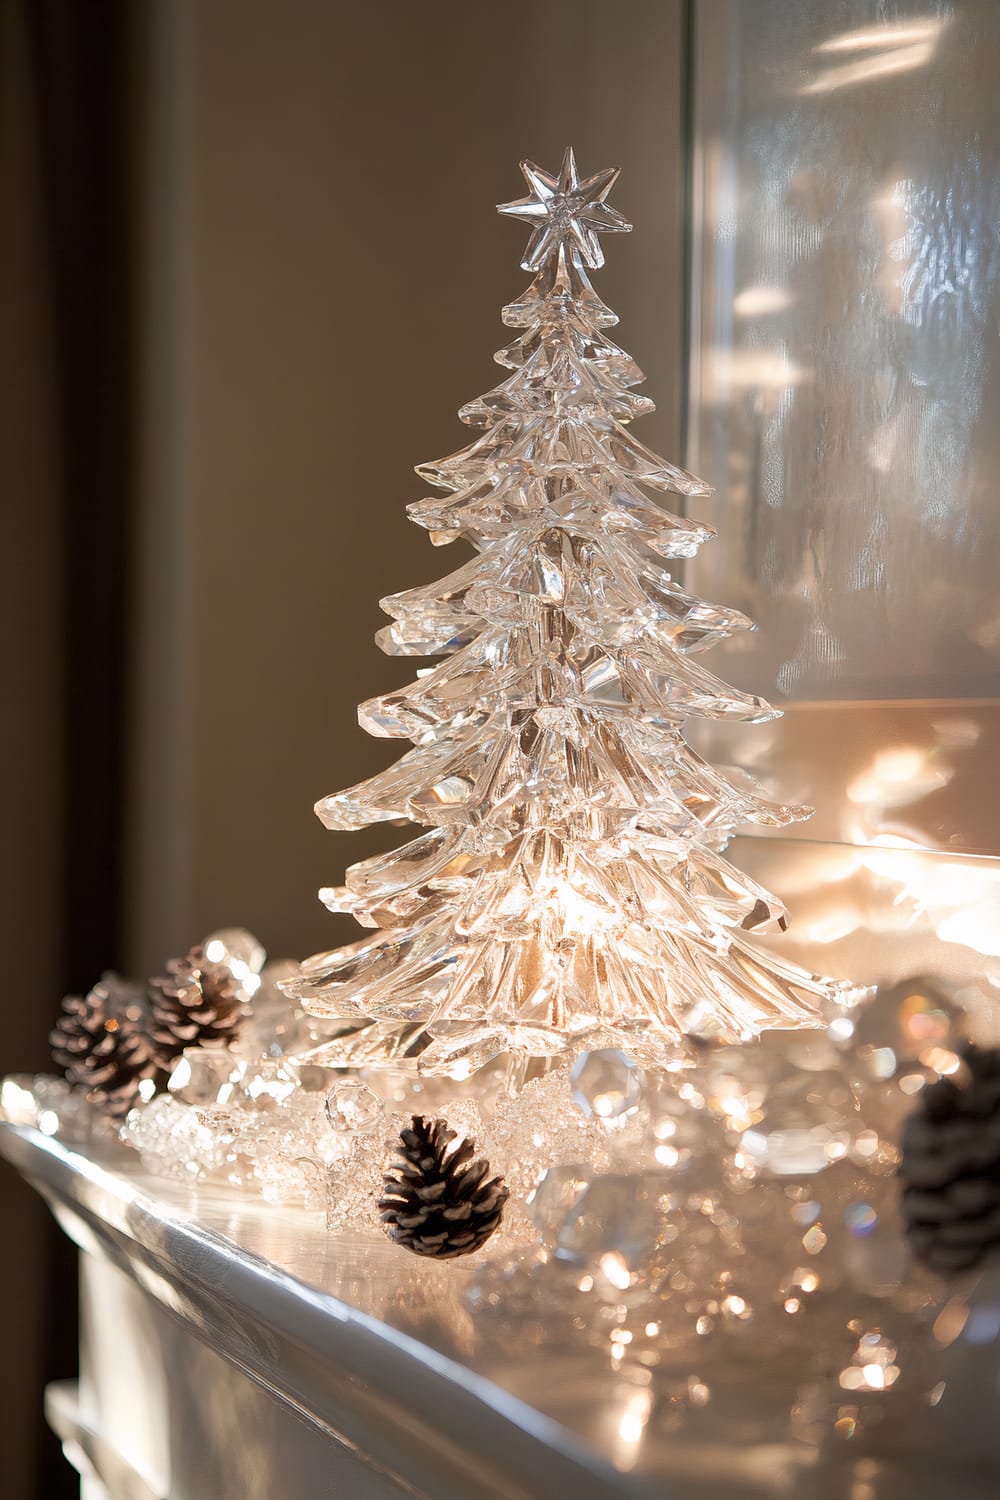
[846, 369]
[844, 400]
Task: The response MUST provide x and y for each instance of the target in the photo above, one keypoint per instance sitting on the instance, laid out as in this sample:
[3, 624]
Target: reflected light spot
[940, 1060]
[902, 34]
[756, 369]
[614, 1269]
[950, 1321]
[630, 1428]
[868, 69]
[757, 301]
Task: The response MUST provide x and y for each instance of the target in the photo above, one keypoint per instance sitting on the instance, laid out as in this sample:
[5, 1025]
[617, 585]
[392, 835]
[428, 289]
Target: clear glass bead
[240, 952]
[204, 1076]
[606, 1084]
[352, 1106]
[270, 1082]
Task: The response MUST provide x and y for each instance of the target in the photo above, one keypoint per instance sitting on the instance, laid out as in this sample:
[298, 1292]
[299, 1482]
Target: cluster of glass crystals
[743, 1250]
[569, 889]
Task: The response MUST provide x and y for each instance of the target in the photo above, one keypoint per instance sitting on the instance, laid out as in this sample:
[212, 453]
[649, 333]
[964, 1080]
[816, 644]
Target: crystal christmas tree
[569, 891]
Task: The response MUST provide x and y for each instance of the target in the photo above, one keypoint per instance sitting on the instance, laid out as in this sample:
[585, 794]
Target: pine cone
[950, 1166]
[195, 1004]
[101, 1044]
[438, 1202]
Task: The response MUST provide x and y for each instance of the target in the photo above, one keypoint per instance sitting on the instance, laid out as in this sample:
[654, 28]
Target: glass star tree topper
[568, 889]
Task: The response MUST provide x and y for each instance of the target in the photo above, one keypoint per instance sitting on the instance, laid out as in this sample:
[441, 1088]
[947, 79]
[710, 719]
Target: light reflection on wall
[883, 912]
[886, 49]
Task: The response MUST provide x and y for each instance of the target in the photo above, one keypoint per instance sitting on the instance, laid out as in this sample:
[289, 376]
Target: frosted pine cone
[951, 1166]
[438, 1201]
[101, 1043]
[195, 1004]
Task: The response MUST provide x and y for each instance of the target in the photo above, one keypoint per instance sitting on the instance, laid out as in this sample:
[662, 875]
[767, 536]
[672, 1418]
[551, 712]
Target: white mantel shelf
[234, 1350]
[370, 1346]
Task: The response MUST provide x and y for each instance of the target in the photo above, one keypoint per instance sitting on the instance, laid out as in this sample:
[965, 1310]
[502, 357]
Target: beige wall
[324, 274]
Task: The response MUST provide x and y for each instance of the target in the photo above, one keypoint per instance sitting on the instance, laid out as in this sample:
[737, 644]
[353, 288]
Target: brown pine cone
[100, 1042]
[437, 1201]
[950, 1166]
[195, 1004]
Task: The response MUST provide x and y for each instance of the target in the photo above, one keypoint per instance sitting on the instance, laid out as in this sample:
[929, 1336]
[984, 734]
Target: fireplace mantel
[234, 1349]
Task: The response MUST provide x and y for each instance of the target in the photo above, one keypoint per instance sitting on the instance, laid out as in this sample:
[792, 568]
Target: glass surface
[843, 402]
[844, 397]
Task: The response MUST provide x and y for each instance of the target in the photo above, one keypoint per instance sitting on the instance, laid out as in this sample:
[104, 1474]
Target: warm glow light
[635, 1412]
[897, 776]
[941, 1060]
[898, 35]
[890, 49]
[756, 369]
[614, 1269]
[630, 1428]
[758, 301]
[951, 1320]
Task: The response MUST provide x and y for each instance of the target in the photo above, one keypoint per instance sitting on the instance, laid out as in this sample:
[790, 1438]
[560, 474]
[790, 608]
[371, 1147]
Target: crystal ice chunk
[240, 952]
[352, 1106]
[606, 1084]
[206, 1076]
[270, 1082]
[555, 1196]
[618, 1215]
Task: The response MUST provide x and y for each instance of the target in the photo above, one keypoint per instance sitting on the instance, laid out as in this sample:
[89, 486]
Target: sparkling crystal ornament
[273, 1024]
[555, 1196]
[240, 952]
[606, 1084]
[205, 1076]
[805, 1124]
[270, 1082]
[567, 890]
[351, 1105]
[615, 1223]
